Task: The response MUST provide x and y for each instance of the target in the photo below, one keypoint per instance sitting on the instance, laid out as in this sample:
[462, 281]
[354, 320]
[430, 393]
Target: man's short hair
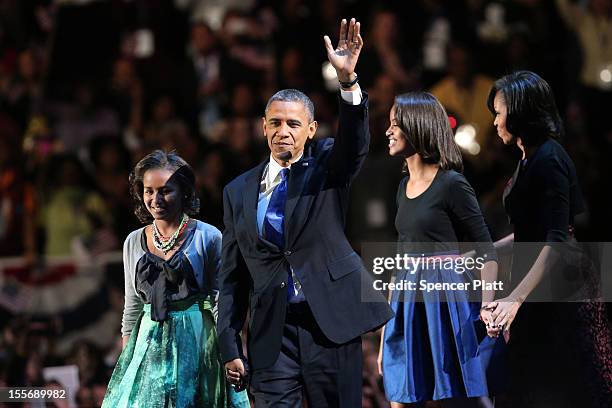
[293, 95]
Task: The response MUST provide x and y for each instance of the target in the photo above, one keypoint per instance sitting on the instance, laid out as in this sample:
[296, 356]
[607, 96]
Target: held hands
[499, 315]
[235, 372]
[345, 56]
[485, 316]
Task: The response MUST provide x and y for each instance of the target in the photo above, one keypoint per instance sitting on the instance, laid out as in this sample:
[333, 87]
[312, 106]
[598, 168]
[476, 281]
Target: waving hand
[344, 57]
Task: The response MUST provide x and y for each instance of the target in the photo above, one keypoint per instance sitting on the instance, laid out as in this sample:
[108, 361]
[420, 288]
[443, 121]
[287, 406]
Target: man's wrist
[346, 76]
[351, 96]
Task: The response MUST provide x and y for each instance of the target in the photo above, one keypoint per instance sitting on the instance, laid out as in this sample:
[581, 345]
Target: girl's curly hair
[182, 172]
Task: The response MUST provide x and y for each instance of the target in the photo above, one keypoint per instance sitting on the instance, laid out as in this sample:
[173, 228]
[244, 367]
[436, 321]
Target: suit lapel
[250, 197]
[298, 179]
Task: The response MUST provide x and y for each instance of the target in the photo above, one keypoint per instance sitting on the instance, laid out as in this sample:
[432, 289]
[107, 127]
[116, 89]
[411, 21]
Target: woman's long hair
[426, 127]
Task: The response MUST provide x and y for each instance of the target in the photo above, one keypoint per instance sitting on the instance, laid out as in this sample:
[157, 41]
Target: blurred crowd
[87, 88]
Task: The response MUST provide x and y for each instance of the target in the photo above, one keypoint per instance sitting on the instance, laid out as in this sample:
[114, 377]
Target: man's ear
[263, 125]
[312, 129]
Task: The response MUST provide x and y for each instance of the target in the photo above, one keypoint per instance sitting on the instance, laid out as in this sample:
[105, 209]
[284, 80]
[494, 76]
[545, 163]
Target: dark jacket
[254, 272]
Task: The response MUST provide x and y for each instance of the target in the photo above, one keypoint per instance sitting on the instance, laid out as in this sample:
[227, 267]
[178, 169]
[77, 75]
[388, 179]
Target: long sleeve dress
[560, 350]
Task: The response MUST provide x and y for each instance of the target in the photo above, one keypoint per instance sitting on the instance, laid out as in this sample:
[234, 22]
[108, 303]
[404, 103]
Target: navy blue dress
[436, 347]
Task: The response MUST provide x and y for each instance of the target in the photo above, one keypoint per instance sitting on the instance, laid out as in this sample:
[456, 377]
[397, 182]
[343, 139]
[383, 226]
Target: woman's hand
[485, 316]
[503, 313]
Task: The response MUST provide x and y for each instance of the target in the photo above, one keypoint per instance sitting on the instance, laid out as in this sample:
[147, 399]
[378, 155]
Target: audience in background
[66, 146]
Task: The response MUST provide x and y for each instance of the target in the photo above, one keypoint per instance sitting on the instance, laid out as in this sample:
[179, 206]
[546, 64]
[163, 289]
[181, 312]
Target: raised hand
[344, 57]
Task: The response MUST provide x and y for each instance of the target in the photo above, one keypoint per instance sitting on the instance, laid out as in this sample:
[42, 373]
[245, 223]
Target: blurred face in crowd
[239, 135]
[287, 128]
[384, 27]
[202, 38]
[163, 109]
[27, 65]
[459, 64]
[398, 144]
[291, 63]
[501, 114]
[384, 90]
[162, 194]
[109, 158]
[242, 100]
[123, 72]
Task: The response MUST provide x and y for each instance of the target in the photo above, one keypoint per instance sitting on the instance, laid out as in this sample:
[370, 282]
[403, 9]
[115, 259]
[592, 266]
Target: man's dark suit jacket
[254, 272]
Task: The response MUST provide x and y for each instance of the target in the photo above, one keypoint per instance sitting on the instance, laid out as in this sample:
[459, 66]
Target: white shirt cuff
[351, 97]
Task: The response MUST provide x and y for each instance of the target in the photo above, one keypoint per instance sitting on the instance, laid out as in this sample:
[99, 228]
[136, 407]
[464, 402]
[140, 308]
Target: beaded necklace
[165, 244]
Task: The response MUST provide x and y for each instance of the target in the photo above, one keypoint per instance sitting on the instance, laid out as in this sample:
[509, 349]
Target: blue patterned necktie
[274, 220]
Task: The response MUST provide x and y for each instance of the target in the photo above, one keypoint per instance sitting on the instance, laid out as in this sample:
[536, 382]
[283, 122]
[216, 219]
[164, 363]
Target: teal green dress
[172, 358]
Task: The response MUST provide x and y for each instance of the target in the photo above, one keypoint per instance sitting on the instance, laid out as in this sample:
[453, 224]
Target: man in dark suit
[286, 257]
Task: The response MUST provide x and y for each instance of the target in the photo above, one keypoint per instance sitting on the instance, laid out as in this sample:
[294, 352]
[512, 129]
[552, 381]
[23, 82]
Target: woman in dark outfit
[552, 344]
[435, 348]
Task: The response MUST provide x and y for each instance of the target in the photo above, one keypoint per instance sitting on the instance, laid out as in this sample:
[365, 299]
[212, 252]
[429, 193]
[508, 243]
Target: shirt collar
[274, 168]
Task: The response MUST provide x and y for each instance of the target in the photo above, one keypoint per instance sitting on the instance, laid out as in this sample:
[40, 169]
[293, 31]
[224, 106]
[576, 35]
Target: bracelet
[350, 83]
